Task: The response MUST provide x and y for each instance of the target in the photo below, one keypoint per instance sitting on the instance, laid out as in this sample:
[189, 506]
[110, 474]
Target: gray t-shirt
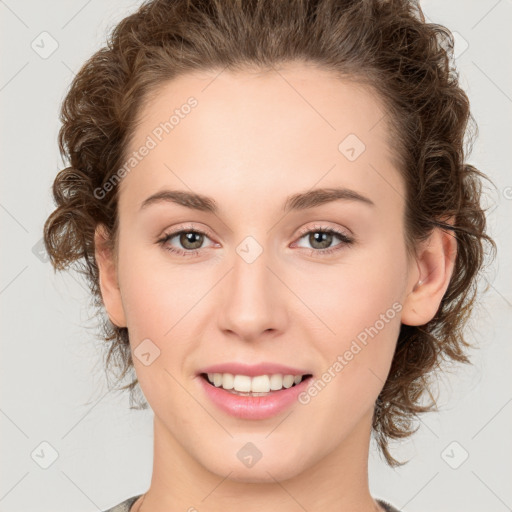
[126, 505]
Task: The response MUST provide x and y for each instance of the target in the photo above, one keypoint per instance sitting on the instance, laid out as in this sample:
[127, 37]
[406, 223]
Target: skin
[253, 140]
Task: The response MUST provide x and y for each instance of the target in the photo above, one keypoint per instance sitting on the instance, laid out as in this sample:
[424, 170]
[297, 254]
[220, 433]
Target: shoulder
[125, 505]
[385, 505]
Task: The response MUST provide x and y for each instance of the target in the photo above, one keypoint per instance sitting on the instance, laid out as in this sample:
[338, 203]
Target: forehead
[221, 133]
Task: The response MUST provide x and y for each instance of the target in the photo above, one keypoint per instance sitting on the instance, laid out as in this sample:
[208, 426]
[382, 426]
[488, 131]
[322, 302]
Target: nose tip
[251, 306]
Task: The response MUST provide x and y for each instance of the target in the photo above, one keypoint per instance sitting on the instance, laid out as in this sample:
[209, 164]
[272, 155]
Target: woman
[271, 202]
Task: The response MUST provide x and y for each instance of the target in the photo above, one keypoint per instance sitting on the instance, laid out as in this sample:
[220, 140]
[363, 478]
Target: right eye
[190, 239]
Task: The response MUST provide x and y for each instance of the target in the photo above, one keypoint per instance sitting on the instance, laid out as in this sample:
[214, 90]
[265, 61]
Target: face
[315, 285]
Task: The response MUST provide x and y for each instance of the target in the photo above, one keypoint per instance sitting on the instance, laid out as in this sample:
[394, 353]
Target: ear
[109, 286]
[427, 286]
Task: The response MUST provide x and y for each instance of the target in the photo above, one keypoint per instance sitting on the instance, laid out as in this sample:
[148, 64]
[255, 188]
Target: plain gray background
[52, 383]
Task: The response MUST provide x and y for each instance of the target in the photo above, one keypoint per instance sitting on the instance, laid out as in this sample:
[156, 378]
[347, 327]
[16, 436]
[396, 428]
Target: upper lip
[253, 370]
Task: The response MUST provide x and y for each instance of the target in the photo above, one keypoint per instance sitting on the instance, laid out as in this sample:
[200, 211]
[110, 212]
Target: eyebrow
[300, 201]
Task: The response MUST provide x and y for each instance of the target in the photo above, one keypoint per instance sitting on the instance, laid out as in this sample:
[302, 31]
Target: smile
[253, 398]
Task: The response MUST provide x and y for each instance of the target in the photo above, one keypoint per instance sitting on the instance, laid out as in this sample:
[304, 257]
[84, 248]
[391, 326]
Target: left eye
[321, 240]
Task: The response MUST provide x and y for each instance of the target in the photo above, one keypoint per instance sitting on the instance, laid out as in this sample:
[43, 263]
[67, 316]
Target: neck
[336, 481]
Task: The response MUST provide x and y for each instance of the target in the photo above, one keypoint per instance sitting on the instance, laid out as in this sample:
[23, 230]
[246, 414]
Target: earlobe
[435, 263]
[108, 279]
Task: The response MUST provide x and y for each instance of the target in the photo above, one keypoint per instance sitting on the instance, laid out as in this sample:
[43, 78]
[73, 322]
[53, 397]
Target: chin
[266, 470]
[261, 475]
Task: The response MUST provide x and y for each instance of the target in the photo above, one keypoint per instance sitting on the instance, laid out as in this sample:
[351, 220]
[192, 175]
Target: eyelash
[346, 241]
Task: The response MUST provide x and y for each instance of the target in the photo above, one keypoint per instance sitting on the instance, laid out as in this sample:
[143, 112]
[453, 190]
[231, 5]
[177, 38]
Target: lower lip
[253, 407]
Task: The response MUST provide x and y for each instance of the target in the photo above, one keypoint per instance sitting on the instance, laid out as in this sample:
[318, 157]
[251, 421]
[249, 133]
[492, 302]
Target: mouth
[256, 397]
[260, 385]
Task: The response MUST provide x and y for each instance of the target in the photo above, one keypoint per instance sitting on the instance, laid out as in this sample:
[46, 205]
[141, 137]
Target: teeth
[257, 384]
[217, 379]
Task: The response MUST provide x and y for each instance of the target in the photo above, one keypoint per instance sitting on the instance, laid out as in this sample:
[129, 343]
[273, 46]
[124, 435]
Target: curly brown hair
[385, 44]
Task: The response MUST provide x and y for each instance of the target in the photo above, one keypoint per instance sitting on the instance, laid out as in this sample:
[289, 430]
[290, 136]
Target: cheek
[158, 301]
[353, 295]
[359, 305]
[156, 294]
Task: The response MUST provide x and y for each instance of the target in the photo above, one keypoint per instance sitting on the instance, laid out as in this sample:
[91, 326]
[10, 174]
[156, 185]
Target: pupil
[323, 238]
[188, 238]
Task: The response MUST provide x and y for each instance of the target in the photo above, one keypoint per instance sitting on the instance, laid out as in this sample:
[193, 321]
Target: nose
[253, 302]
